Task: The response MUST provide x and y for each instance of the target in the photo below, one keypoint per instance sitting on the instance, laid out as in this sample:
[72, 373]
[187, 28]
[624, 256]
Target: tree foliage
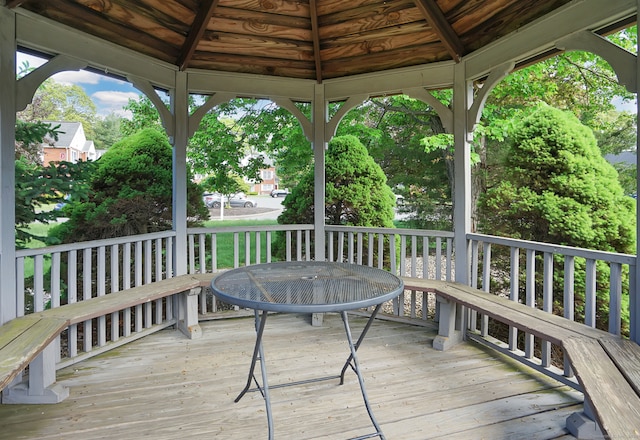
[218, 152]
[357, 193]
[131, 193]
[54, 101]
[557, 188]
[40, 186]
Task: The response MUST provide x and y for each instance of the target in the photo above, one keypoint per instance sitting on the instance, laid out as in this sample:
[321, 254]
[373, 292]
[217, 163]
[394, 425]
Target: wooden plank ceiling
[311, 39]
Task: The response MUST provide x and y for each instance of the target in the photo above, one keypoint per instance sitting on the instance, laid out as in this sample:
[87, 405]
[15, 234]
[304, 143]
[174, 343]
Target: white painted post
[451, 325]
[634, 288]
[319, 145]
[8, 299]
[187, 301]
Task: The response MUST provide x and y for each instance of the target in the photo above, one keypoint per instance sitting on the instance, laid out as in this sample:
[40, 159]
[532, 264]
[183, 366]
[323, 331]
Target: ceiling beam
[197, 30]
[441, 26]
[313, 13]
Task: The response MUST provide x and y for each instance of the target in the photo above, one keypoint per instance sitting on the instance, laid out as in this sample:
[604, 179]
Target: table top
[306, 286]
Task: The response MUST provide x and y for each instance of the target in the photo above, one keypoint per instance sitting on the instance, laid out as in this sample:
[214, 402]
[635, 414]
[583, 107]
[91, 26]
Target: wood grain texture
[23, 342]
[341, 38]
[22, 339]
[615, 403]
[167, 387]
[626, 355]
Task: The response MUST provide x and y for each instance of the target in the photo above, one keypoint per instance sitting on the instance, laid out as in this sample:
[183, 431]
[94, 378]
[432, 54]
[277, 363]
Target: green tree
[107, 131]
[131, 193]
[357, 193]
[218, 152]
[54, 101]
[557, 188]
[144, 115]
[39, 186]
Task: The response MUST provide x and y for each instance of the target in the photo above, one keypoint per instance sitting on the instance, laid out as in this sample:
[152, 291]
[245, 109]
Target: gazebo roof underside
[303, 39]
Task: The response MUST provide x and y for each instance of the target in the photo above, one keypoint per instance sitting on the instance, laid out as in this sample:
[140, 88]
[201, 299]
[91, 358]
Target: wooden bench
[27, 340]
[607, 366]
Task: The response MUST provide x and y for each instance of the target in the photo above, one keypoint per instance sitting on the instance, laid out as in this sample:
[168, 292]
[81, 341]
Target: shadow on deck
[165, 386]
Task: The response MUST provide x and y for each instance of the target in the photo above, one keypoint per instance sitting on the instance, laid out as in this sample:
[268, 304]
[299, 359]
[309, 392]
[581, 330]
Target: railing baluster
[38, 283]
[87, 257]
[530, 298]
[101, 268]
[569, 300]
[615, 298]
[486, 283]
[590, 293]
[547, 302]
[513, 294]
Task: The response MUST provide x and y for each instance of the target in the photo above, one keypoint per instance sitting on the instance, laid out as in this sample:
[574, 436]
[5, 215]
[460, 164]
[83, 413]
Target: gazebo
[311, 51]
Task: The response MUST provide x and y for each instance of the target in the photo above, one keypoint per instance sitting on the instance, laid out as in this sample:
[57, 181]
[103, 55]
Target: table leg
[258, 354]
[354, 359]
[357, 345]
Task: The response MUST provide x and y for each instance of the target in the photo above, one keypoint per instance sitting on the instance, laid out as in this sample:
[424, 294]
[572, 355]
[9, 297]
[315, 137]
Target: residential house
[71, 146]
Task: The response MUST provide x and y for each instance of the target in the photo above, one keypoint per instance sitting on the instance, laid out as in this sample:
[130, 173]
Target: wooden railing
[570, 282]
[75, 272]
[67, 274]
[411, 252]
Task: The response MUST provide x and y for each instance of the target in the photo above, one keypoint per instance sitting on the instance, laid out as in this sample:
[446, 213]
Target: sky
[109, 94]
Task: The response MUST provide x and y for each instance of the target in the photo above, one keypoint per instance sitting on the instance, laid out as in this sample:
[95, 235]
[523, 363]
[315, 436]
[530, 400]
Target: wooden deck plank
[626, 355]
[507, 311]
[168, 387]
[614, 401]
[23, 346]
[99, 306]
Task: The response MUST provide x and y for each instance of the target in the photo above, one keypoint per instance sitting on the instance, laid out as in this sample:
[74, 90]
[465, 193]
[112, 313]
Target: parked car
[279, 193]
[236, 201]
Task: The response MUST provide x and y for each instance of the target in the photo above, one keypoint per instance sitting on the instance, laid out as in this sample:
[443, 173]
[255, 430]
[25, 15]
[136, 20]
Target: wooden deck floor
[168, 387]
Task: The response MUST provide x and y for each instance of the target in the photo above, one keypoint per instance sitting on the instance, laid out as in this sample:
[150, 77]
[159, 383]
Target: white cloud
[112, 101]
[107, 97]
[77, 77]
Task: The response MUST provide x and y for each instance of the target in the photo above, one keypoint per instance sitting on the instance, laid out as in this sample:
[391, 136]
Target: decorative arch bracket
[166, 117]
[622, 61]
[444, 112]
[27, 85]
[305, 123]
[496, 75]
[332, 126]
[211, 102]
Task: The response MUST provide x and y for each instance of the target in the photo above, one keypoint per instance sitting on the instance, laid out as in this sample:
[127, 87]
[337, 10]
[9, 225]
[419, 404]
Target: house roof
[309, 39]
[66, 133]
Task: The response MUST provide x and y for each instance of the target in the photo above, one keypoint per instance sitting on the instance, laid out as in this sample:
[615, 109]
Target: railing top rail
[92, 244]
[556, 249]
[258, 228]
[393, 231]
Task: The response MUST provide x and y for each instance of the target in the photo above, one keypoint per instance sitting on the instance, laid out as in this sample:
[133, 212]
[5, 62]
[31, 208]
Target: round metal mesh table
[306, 287]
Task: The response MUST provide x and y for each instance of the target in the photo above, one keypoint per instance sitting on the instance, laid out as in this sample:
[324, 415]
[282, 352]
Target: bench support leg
[188, 313]
[450, 330]
[317, 319]
[41, 387]
[582, 425]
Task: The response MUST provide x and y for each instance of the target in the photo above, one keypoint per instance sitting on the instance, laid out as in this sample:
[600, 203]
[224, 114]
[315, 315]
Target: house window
[267, 174]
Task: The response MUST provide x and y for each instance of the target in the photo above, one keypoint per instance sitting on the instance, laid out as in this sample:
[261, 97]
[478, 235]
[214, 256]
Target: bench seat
[607, 366]
[23, 340]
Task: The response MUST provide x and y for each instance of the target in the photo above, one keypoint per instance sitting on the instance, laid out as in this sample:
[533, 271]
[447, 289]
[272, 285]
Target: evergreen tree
[356, 189]
[557, 188]
[130, 193]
